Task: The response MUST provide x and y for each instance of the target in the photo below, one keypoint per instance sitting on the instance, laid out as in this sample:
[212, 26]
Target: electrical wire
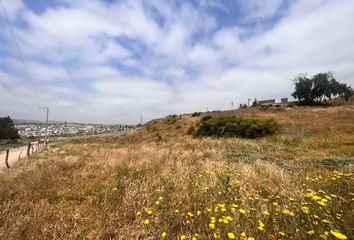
[18, 99]
[19, 51]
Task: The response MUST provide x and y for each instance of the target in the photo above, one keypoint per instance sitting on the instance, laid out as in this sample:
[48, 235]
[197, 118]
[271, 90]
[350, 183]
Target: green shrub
[196, 114]
[232, 126]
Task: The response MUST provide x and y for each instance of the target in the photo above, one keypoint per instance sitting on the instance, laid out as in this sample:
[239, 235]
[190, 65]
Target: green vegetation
[320, 87]
[196, 114]
[232, 126]
[157, 182]
[7, 129]
[243, 106]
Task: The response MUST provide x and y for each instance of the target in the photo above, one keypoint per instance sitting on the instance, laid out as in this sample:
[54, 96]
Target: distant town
[31, 129]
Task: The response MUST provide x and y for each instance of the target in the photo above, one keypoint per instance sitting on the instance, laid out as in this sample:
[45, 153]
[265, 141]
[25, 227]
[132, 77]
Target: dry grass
[299, 183]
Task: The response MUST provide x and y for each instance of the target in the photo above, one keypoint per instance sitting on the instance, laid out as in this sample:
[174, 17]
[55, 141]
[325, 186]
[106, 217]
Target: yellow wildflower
[231, 235]
[339, 235]
[138, 214]
[242, 211]
[164, 234]
[288, 212]
[266, 213]
[305, 210]
[183, 237]
[311, 232]
[211, 225]
[149, 212]
[146, 222]
[261, 225]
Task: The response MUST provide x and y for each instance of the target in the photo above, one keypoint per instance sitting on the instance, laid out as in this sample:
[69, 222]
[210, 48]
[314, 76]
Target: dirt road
[14, 155]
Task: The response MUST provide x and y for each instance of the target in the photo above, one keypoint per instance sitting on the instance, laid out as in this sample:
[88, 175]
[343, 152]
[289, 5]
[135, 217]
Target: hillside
[159, 182]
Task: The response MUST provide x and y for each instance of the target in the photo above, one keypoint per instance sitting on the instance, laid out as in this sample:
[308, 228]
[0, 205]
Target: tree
[320, 87]
[243, 106]
[345, 91]
[303, 87]
[7, 129]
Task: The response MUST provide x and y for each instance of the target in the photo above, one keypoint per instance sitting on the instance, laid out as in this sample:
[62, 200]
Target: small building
[268, 101]
[284, 100]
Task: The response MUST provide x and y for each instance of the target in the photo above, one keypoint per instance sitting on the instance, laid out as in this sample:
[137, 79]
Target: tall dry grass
[298, 184]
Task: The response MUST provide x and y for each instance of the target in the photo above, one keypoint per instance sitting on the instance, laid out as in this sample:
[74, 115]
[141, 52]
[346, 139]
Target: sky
[111, 61]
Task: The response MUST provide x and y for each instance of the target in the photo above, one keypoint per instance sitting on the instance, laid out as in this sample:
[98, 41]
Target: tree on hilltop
[320, 87]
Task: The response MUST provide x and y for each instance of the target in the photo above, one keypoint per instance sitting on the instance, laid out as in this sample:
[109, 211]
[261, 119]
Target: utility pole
[232, 105]
[141, 119]
[46, 123]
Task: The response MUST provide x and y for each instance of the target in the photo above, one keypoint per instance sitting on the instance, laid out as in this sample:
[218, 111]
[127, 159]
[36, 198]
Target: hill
[159, 182]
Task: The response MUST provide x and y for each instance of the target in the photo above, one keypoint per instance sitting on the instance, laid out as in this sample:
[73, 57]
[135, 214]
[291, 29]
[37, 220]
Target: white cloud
[108, 62]
[13, 8]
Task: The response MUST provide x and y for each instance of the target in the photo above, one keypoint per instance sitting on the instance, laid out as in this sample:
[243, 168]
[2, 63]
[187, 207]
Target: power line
[18, 99]
[13, 93]
[19, 51]
[12, 79]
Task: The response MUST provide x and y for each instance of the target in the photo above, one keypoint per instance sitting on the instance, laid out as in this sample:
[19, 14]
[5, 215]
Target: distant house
[284, 100]
[268, 101]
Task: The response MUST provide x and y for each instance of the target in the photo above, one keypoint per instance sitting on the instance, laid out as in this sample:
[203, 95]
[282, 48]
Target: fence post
[7, 159]
[19, 156]
[28, 149]
[38, 146]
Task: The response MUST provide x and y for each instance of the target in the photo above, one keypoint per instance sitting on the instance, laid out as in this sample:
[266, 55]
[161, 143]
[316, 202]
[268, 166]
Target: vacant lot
[159, 182]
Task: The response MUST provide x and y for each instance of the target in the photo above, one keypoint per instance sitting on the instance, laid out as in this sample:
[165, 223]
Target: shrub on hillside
[232, 126]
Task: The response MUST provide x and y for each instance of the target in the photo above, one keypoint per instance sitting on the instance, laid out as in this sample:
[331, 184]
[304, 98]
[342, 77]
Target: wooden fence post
[7, 159]
[19, 156]
[28, 149]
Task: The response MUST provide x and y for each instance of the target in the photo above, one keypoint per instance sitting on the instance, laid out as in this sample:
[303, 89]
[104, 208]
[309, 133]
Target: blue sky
[110, 61]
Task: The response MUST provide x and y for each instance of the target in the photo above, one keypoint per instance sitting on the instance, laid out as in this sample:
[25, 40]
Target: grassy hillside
[159, 182]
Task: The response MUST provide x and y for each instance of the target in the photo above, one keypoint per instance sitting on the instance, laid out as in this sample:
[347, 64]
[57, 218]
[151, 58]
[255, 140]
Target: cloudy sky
[110, 61]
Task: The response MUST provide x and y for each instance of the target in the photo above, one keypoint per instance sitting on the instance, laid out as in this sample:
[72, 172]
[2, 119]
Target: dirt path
[14, 155]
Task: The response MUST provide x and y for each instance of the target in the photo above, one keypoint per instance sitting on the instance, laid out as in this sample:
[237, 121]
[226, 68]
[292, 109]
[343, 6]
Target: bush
[243, 106]
[196, 114]
[232, 126]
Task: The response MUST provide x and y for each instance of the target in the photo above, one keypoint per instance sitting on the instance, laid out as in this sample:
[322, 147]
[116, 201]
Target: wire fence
[9, 156]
